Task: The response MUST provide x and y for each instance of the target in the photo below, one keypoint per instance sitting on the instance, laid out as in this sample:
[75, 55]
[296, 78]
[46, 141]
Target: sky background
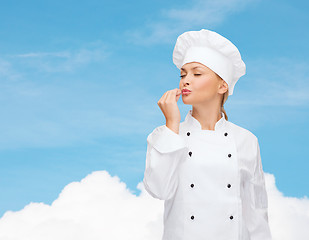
[80, 81]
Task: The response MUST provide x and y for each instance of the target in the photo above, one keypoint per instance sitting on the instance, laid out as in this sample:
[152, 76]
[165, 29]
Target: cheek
[205, 84]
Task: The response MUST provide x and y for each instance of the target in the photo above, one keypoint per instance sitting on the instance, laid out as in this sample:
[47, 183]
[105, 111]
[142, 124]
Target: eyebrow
[191, 68]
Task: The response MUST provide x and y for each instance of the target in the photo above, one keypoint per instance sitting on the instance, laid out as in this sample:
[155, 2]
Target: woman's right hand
[169, 107]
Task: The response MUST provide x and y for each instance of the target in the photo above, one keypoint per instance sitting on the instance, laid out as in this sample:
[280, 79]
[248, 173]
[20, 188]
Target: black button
[192, 185]
[225, 134]
[188, 133]
[192, 217]
[229, 155]
[231, 217]
[229, 185]
[190, 153]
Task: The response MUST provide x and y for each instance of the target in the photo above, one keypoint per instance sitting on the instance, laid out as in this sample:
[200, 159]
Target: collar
[195, 124]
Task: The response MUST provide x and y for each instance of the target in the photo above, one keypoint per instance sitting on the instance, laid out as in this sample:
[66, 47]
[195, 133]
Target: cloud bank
[100, 206]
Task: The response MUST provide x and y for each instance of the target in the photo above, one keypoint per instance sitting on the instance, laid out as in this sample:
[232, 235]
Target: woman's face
[204, 84]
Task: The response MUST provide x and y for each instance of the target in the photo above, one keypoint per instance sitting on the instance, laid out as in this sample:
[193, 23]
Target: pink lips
[185, 91]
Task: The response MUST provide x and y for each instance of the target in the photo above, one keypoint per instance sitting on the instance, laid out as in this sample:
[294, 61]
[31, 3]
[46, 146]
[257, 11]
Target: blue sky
[80, 81]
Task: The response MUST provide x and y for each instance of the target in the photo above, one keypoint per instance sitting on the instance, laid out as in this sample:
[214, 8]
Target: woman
[207, 169]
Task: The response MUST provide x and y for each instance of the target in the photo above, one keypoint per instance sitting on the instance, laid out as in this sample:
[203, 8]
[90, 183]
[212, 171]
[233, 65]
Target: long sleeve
[258, 226]
[165, 150]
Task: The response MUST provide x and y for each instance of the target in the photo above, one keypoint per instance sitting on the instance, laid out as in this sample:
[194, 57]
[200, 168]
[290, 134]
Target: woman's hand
[169, 107]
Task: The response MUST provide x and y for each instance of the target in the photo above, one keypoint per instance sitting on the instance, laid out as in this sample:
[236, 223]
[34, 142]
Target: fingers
[168, 99]
[172, 95]
[168, 105]
[169, 95]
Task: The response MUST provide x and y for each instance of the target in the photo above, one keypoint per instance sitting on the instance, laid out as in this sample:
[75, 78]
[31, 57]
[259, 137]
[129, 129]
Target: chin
[190, 100]
[187, 101]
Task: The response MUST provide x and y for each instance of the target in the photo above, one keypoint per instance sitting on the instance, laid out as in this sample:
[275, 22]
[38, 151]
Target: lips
[185, 91]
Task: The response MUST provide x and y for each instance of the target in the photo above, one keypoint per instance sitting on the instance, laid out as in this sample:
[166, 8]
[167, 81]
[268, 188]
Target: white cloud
[101, 207]
[288, 216]
[97, 207]
[63, 61]
[171, 22]
[64, 54]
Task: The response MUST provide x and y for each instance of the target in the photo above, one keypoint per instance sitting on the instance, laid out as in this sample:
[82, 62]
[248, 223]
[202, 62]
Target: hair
[224, 98]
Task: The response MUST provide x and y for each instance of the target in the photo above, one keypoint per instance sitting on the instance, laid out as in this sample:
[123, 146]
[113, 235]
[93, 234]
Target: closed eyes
[181, 76]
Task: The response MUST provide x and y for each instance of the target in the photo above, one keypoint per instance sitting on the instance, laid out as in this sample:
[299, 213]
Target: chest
[215, 151]
[209, 165]
[214, 163]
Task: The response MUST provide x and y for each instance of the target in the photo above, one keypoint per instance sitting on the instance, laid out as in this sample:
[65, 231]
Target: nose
[185, 83]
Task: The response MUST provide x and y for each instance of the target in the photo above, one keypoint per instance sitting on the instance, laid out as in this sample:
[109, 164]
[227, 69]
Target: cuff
[165, 140]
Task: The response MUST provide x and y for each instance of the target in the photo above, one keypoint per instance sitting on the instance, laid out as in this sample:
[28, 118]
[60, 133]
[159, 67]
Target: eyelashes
[181, 76]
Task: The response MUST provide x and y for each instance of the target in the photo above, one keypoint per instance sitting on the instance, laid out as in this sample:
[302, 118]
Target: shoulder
[241, 134]
[241, 130]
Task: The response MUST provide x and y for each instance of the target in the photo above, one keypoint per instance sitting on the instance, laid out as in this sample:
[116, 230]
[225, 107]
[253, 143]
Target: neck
[208, 117]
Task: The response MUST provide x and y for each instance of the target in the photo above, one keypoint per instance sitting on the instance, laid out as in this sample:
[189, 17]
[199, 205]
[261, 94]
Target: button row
[192, 185]
[231, 217]
[229, 155]
[225, 134]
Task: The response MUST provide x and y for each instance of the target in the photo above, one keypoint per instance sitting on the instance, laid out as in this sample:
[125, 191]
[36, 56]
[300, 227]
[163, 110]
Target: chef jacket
[212, 181]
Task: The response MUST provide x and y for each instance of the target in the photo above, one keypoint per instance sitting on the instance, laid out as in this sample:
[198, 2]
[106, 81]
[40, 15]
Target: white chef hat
[214, 51]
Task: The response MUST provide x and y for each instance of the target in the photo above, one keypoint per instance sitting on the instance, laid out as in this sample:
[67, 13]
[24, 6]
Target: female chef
[206, 168]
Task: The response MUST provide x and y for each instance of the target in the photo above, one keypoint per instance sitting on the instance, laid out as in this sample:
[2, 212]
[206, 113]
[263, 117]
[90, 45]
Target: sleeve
[258, 226]
[165, 149]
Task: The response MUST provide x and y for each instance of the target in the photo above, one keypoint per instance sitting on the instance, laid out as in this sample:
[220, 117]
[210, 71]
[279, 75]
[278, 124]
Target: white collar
[193, 122]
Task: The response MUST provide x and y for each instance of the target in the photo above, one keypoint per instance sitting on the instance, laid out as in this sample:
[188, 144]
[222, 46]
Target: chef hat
[214, 51]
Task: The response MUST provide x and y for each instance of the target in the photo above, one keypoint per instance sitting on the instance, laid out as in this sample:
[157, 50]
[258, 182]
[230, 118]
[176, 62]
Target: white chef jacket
[212, 181]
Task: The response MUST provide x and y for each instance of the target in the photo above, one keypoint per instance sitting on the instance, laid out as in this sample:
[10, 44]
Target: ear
[223, 87]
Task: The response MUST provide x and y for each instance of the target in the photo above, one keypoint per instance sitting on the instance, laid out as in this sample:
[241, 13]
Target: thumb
[178, 93]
